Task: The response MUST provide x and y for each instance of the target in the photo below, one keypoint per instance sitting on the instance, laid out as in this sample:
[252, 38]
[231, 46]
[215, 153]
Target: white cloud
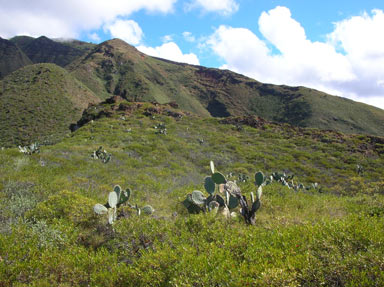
[167, 38]
[362, 40]
[189, 37]
[126, 30]
[70, 17]
[361, 36]
[171, 52]
[356, 73]
[224, 7]
[94, 37]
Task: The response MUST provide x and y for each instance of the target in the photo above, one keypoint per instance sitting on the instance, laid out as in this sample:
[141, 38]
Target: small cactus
[148, 210]
[102, 155]
[116, 198]
[160, 129]
[359, 169]
[32, 148]
[248, 210]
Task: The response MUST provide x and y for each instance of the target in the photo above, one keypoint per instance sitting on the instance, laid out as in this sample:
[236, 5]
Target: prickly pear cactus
[217, 184]
[116, 198]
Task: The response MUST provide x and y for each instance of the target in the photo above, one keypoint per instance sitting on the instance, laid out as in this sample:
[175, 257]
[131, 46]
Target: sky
[333, 46]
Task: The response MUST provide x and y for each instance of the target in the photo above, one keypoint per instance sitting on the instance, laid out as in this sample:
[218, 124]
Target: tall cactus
[248, 210]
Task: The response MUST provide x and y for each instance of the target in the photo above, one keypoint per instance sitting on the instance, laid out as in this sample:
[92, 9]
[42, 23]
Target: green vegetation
[116, 68]
[39, 103]
[45, 50]
[51, 236]
[315, 218]
[11, 58]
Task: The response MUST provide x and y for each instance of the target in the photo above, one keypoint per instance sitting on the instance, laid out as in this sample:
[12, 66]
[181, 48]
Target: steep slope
[116, 68]
[38, 103]
[45, 50]
[76, 44]
[22, 41]
[11, 58]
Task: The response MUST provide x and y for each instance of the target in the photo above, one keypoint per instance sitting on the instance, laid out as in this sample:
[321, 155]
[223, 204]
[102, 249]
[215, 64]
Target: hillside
[11, 58]
[22, 41]
[116, 68]
[38, 103]
[45, 50]
[330, 235]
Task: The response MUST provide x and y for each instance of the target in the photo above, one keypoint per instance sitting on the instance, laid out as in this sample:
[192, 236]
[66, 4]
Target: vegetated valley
[143, 193]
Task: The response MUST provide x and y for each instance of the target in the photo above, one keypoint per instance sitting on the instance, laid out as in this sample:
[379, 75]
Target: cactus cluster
[241, 177]
[283, 178]
[160, 129]
[116, 198]
[287, 180]
[32, 148]
[224, 197]
[221, 195]
[102, 155]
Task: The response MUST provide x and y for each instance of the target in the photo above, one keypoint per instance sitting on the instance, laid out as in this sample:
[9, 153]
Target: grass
[49, 234]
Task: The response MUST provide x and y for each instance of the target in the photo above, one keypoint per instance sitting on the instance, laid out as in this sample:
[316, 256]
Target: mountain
[39, 103]
[45, 50]
[22, 41]
[11, 58]
[116, 68]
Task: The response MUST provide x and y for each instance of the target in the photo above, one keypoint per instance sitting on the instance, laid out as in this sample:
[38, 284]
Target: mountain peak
[120, 46]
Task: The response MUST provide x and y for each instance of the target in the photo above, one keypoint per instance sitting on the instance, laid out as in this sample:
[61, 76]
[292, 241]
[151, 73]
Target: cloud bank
[350, 63]
[170, 51]
[70, 17]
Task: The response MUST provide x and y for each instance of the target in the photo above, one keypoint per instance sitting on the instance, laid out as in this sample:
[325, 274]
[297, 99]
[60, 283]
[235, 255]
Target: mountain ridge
[115, 68]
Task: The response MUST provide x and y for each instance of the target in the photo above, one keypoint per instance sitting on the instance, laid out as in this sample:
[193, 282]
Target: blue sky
[333, 46]
[317, 18]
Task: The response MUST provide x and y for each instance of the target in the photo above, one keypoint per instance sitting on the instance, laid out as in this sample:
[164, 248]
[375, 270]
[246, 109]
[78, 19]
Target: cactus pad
[198, 197]
[100, 209]
[259, 178]
[218, 178]
[209, 185]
